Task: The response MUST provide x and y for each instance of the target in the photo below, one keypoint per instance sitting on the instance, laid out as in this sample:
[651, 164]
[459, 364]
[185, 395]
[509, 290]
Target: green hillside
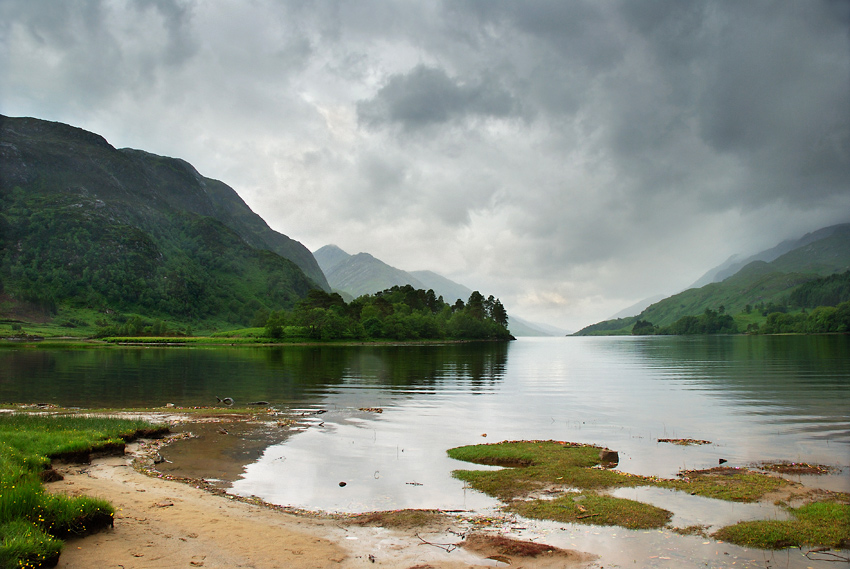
[757, 284]
[86, 226]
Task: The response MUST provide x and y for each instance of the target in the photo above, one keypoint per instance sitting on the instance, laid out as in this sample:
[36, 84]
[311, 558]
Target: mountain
[637, 308]
[329, 256]
[735, 263]
[792, 263]
[520, 327]
[356, 275]
[91, 225]
[448, 289]
[362, 273]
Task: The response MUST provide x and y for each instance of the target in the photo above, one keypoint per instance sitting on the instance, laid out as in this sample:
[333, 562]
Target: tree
[475, 306]
[643, 328]
[499, 314]
[274, 325]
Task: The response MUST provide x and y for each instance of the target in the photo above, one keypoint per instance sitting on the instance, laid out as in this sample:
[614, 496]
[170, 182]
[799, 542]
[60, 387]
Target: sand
[167, 524]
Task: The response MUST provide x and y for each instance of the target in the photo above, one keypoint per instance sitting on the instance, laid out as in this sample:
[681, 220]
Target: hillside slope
[821, 253]
[89, 225]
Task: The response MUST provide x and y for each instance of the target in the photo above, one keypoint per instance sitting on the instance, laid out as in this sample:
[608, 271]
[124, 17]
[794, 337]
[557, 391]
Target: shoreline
[176, 523]
[343, 540]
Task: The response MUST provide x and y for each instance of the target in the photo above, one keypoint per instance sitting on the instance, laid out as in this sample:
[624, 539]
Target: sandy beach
[169, 524]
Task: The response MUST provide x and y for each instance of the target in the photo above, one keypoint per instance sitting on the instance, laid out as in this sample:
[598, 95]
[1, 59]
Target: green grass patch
[731, 484]
[532, 466]
[23, 544]
[596, 509]
[824, 524]
[32, 521]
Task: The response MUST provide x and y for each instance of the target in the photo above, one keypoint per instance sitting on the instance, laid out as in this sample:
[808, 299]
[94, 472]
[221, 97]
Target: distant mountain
[448, 289]
[638, 307]
[356, 275]
[735, 263]
[520, 327]
[88, 224]
[364, 274]
[817, 254]
[329, 256]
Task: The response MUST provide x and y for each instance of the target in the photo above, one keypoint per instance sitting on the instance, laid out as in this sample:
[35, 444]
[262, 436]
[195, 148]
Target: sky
[568, 157]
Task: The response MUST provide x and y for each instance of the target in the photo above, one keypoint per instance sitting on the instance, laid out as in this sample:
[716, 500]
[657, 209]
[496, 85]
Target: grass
[596, 509]
[32, 521]
[398, 519]
[533, 466]
[730, 484]
[542, 464]
[820, 523]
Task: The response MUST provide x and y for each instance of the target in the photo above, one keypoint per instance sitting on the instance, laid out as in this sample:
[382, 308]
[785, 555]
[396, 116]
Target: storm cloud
[570, 158]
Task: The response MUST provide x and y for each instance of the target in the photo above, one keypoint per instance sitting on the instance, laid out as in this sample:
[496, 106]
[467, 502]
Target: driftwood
[447, 547]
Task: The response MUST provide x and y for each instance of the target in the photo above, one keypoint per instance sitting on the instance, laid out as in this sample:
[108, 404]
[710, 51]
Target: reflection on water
[757, 399]
[151, 376]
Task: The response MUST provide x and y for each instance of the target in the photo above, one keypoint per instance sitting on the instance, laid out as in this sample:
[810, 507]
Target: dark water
[756, 398]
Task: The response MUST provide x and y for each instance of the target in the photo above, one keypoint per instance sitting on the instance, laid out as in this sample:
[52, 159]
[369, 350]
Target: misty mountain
[736, 262]
[88, 224]
[448, 289]
[637, 307]
[362, 273]
[792, 263]
[521, 327]
[356, 275]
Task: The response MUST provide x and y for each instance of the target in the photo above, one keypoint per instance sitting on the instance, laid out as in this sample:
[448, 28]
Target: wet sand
[168, 524]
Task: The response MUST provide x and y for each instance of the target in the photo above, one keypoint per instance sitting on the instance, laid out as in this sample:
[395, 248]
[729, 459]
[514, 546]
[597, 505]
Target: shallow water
[755, 398]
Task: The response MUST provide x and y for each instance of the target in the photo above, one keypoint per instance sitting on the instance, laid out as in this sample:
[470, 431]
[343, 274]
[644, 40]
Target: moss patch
[532, 466]
[731, 484]
[596, 509]
[819, 524]
[540, 464]
[399, 519]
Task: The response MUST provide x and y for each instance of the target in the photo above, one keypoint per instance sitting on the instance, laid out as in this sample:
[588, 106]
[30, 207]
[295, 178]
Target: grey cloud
[427, 96]
[565, 141]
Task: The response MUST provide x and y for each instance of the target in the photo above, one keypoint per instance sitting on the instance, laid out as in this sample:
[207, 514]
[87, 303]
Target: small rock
[341, 484]
[609, 456]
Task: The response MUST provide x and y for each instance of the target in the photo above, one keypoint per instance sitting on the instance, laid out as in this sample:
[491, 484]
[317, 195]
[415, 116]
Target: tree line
[398, 313]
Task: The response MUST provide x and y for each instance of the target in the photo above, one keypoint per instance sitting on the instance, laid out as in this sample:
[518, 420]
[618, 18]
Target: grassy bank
[32, 521]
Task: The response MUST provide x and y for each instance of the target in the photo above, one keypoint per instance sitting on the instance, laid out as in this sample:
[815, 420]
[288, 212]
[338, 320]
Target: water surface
[782, 398]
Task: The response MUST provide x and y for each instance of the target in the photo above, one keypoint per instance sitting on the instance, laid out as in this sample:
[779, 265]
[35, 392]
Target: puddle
[656, 549]
[836, 481]
[219, 451]
[699, 511]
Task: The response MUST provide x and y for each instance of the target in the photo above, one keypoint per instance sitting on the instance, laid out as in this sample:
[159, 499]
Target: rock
[608, 456]
[50, 475]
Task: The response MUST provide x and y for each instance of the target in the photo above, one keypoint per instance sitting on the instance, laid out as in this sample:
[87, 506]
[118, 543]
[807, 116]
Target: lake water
[766, 398]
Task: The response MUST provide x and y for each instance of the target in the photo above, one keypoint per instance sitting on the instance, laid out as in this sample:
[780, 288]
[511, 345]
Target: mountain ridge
[178, 185]
[89, 225]
[819, 253]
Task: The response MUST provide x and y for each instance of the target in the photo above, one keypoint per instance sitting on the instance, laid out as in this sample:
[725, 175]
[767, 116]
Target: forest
[400, 313]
